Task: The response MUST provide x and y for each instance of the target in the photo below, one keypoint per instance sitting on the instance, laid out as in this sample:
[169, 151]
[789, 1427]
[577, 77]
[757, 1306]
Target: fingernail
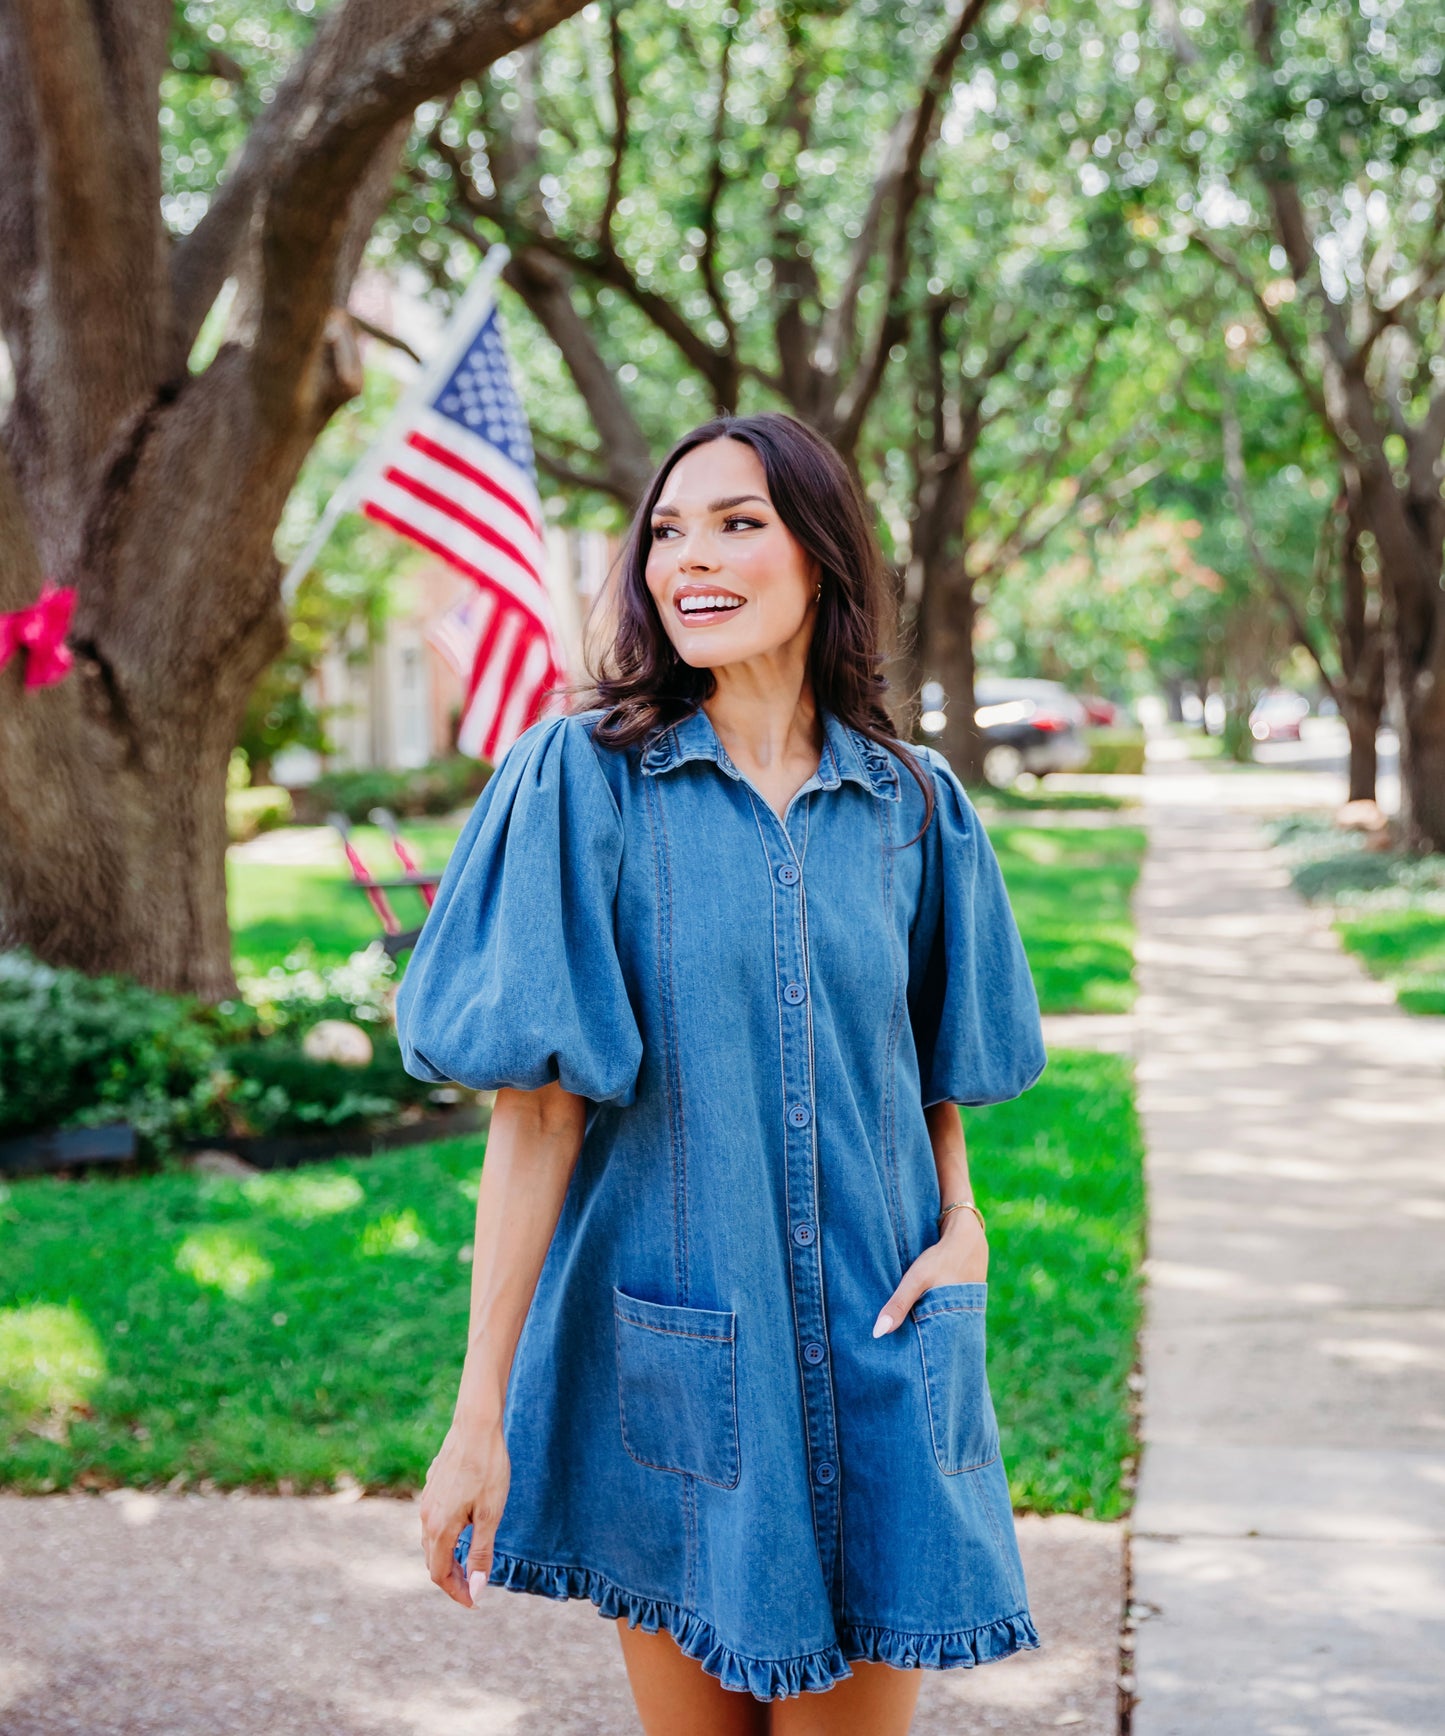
[475, 1582]
[883, 1324]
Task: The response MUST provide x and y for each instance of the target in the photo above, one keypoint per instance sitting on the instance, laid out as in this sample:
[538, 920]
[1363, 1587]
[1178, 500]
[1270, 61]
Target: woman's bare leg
[877, 1701]
[676, 1697]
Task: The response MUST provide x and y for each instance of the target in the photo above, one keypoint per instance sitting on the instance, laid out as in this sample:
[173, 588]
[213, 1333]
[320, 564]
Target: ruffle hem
[769, 1678]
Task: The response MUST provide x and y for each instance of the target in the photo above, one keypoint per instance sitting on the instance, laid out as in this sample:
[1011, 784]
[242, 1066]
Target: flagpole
[460, 330]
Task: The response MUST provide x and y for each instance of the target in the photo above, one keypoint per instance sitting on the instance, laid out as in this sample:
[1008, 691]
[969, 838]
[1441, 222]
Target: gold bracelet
[968, 1206]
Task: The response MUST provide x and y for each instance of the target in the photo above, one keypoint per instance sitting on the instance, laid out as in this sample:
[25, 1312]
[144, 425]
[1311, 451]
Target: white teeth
[694, 605]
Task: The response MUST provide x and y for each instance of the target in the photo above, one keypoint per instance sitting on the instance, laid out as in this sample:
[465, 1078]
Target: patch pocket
[677, 1387]
[953, 1343]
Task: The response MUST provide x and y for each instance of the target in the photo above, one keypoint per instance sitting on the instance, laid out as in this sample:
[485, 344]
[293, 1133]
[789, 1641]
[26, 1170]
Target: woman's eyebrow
[713, 506]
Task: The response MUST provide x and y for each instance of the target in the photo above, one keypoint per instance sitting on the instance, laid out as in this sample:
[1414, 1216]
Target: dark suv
[1028, 726]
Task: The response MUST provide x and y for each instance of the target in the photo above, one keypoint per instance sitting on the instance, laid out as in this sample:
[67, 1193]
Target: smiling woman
[751, 581]
[730, 952]
[697, 598]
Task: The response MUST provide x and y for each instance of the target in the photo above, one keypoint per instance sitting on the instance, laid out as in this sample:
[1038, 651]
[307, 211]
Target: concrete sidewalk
[1288, 1542]
[138, 1614]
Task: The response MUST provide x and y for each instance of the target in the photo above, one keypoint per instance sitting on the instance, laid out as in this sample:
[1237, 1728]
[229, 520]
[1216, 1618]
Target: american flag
[454, 472]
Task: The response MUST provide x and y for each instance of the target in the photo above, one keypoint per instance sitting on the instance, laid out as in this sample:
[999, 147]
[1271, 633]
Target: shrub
[79, 1051]
[293, 996]
[1115, 750]
[273, 1087]
[256, 809]
[437, 788]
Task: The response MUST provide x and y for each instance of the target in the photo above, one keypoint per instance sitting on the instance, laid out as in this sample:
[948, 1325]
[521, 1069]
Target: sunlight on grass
[222, 1260]
[302, 1196]
[1389, 907]
[396, 1233]
[346, 1358]
[1071, 893]
[1038, 845]
[51, 1360]
[1406, 948]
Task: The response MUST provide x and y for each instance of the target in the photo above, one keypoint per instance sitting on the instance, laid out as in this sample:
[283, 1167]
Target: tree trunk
[113, 798]
[1409, 531]
[1361, 646]
[1422, 753]
[1363, 723]
[947, 609]
[156, 492]
[949, 613]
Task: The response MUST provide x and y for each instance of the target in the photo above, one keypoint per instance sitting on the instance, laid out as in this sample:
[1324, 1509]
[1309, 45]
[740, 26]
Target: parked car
[1277, 715]
[1101, 712]
[1028, 726]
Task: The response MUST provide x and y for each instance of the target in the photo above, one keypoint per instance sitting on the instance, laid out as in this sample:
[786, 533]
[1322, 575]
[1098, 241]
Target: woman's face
[718, 545]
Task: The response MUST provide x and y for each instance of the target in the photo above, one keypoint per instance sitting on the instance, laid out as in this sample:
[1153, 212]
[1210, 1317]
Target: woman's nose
[695, 550]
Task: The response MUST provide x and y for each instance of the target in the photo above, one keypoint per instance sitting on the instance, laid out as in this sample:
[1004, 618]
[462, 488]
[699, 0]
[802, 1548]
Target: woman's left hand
[959, 1256]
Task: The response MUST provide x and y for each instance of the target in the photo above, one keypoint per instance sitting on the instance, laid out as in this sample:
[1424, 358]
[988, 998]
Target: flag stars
[481, 397]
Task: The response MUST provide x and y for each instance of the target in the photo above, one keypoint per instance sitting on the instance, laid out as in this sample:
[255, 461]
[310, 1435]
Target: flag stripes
[457, 478]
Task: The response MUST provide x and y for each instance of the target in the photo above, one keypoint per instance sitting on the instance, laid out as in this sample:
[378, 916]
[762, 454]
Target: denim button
[803, 1234]
[787, 874]
[794, 993]
[812, 1353]
[799, 1115]
[824, 1472]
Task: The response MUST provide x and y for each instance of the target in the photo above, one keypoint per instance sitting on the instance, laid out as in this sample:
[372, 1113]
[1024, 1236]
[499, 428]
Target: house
[398, 704]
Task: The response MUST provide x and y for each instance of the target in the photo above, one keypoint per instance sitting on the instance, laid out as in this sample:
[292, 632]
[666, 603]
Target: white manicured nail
[884, 1324]
[475, 1582]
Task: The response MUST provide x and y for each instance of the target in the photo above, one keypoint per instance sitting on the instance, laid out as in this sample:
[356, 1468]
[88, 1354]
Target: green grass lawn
[1389, 908]
[1405, 948]
[986, 798]
[1070, 889]
[309, 1325]
[275, 907]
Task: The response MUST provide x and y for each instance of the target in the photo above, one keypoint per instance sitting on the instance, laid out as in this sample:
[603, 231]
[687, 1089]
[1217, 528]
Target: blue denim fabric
[704, 1434]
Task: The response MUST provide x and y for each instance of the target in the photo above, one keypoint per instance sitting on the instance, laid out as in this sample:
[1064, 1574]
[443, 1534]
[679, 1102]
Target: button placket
[800, 1143]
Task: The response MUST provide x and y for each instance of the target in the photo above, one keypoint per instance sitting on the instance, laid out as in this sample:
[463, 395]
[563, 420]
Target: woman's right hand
[467, 1480]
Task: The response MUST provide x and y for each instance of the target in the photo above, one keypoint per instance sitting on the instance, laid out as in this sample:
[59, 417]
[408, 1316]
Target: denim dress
[704, 1434]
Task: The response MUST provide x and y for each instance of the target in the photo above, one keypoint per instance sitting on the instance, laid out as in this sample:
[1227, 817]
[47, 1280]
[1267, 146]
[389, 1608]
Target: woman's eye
[736, 518]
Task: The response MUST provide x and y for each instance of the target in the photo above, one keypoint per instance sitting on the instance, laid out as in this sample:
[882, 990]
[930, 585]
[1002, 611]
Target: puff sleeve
[971, 996]
[515, 978]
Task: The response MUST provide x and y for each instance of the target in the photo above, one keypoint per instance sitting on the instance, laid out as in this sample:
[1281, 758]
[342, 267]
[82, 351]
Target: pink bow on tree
[40, 631]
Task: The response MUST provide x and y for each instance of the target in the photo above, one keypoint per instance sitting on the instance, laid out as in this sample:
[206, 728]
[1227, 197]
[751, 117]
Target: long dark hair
[644, 685]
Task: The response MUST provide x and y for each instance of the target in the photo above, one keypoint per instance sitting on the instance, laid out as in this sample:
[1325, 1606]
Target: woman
[731, 955]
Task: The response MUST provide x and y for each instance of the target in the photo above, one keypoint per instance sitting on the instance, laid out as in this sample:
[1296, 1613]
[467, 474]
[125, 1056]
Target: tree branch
[570, 478]
[902, 160]
[305, 217]
[855, 401]
[1293, 360]
[716, 182]
[794, 279]
[19, 241]
[99, 308]
[383, 336]
[1232, 441]
[617, 81]
[545, 285]
[202, 260]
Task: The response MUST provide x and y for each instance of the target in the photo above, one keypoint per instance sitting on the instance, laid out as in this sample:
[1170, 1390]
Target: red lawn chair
[395, 938]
